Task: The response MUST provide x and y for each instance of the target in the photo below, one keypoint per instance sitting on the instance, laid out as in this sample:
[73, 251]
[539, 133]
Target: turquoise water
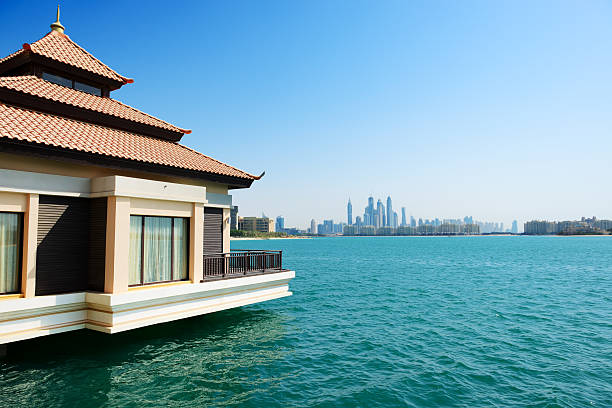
[373, 322]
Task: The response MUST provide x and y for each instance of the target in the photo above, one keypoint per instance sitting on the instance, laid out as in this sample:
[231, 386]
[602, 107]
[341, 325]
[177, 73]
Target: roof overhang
[92, 159]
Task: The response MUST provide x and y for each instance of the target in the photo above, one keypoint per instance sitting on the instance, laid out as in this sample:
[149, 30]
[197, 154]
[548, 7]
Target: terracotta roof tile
[41, 128]
[59, 47]
[35, 86]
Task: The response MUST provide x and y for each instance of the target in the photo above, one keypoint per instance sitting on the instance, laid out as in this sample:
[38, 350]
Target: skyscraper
[394, 223]
[369, 214]
[349, 211]
[280, 223]
[378, 219]
[389, 212]
[514, 229]
[403, 216]
[412, 221]
[313, 226]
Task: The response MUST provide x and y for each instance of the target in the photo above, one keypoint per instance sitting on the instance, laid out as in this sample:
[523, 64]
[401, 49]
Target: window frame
[21, 216]
[142, 251]
[73, 83]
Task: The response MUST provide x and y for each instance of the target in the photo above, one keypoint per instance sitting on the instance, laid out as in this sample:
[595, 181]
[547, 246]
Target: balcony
[239, 263]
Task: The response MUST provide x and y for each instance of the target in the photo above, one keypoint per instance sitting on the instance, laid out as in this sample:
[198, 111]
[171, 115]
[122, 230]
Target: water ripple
[374, 322]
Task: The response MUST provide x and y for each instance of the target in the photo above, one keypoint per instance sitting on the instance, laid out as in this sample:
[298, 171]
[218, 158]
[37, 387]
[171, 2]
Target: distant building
[256, 224]
[313, 226]
[234, 217]
[540, 228]
[394, 223]
[280, 223]
[514, 228]
[326, 228]
[584, 226]
[389, 212]
[349, 211]
[413, 223]
[350, 230]
[403, 217]
[368, 216]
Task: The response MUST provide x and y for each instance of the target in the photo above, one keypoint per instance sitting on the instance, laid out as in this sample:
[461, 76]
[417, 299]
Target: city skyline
[378, 215]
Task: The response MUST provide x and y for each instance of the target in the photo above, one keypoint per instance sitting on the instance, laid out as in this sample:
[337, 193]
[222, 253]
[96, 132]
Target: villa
[107, 222]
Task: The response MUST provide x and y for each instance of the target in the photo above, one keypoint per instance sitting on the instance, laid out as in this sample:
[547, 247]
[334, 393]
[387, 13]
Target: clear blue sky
[495, 109]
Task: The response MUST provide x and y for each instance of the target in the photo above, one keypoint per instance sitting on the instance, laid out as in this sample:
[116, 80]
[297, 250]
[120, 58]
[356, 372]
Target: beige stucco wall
[28, 205]
[40, 165]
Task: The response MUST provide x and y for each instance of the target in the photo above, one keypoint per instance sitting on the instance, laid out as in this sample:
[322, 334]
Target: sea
[512, 321]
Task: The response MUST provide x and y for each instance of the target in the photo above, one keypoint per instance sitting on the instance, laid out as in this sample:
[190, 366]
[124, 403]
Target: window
[79, 86]
[159, 249]
[56, 79]
[69, 83]
[10, 251]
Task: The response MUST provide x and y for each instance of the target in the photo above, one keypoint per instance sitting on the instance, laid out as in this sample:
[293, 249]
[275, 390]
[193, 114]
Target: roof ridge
[12, 55]
[126, 79]
[65, 36]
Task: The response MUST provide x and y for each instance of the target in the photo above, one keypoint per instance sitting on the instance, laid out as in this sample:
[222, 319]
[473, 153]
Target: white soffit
[41, 183]
[142, 188]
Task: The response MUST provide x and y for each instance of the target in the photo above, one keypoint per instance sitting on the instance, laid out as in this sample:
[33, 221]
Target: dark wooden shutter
[63, 236]
[97, 244]
[213, 230]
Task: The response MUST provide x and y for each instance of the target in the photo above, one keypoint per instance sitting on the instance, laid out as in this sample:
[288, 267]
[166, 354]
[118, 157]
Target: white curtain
[180, 248]
[158, 249]
[10, 251]
[135, 257]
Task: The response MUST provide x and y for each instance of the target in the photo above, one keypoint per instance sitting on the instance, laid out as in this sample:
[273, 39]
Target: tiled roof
[35, 86]
[59, 47]
[41, 128]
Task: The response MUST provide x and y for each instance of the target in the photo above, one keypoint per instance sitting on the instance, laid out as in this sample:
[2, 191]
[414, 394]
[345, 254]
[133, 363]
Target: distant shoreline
[412, 236]
[264, 238]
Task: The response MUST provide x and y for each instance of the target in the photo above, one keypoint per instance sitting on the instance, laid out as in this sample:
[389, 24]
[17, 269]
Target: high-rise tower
[369, 219]
[403, 216]
[349, 212]
[389, 212]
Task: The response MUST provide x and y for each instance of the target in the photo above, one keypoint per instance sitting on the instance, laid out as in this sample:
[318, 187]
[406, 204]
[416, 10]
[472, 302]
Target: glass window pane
[135, 257]
[10, 252]
[56, 79]
[180, 248]
[87, 88]
[158, 249]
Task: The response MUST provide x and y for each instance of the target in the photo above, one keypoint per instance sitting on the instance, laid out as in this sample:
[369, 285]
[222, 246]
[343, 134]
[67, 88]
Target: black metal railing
[242, 262]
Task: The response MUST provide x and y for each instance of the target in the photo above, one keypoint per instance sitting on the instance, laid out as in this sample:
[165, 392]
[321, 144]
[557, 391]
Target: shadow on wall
[71, 244]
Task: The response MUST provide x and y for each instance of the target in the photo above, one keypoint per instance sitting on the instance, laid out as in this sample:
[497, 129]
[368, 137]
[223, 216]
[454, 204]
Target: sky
[500, 110]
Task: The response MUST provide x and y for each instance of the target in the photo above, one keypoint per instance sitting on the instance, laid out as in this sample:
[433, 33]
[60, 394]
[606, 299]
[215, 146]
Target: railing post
[280, 260]
[246, 258]
[225, 265]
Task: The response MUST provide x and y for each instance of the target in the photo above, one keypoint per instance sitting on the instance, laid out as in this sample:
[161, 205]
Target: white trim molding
[41, 183]
[26, 318]
[142, 188]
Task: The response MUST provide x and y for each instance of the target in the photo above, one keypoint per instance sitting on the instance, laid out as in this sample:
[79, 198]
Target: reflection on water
[211, 355]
